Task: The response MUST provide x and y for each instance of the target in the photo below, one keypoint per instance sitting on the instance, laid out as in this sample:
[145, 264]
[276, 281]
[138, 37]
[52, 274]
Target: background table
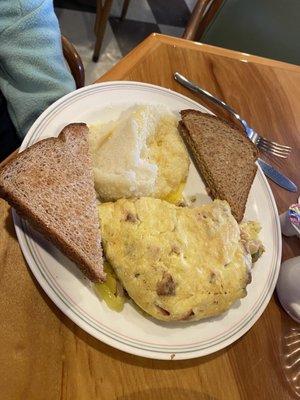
[43, 355]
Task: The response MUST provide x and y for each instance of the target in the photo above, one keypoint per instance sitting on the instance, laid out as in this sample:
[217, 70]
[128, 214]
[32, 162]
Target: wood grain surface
[43, 355]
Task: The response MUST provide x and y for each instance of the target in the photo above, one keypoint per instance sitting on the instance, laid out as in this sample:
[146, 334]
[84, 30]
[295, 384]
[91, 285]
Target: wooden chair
[262, 27]
[200, 18]
[77, 70]
[102, 14]
[74, 61]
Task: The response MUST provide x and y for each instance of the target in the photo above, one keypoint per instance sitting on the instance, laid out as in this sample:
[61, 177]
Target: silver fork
[278, 150]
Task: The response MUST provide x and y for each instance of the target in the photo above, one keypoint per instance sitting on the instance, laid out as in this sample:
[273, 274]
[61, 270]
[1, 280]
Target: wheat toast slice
[223, 155]
[51, 185]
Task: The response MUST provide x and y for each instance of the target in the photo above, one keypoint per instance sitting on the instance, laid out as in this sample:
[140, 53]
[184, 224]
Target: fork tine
[269, 148]
[275, 154]
[276, 145]
[276, 149]
[272, 151]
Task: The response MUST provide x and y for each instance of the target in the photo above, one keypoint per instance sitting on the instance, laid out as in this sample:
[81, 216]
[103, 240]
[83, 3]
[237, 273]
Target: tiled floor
[143, 17]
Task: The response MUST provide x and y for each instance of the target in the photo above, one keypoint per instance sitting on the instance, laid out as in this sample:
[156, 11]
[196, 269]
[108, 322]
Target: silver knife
[267, 169]
[277, 176]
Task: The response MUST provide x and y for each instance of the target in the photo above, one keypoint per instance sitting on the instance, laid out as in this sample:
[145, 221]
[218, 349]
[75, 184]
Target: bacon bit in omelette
[212, 278]
[188, 315]
[176, 250]
[166, 287]
[131, 218]
[162, 310]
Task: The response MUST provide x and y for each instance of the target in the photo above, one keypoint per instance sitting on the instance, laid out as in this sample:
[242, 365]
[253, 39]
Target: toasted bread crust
[231, 125]
[209, 177]
[11, 175]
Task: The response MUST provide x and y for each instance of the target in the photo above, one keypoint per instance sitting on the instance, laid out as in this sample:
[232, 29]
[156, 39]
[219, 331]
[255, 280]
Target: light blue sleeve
[33, 73]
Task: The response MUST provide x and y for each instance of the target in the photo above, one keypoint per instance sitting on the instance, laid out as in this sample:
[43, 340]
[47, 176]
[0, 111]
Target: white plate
[129, 330]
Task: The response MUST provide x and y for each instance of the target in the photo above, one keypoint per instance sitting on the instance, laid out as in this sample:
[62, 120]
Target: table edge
[153, 41]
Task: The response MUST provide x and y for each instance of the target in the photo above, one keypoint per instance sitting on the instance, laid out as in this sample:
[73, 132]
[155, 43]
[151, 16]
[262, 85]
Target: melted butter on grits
[176, 263]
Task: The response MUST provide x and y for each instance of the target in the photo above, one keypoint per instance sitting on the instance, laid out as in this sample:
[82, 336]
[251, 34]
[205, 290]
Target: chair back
[268, 28]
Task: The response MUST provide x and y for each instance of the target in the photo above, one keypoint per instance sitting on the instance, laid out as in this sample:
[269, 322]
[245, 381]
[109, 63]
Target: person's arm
[33, 73]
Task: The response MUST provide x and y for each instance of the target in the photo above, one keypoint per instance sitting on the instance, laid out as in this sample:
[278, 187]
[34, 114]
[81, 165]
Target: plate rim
[149, 353]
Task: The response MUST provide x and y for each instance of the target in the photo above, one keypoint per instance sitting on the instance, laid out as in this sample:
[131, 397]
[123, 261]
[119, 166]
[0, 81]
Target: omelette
[176, 263]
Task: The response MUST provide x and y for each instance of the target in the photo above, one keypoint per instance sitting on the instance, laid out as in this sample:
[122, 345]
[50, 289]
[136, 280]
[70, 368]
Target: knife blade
[276, 176]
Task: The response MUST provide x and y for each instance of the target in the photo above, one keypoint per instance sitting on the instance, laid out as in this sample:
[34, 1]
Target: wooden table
[43, 355]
